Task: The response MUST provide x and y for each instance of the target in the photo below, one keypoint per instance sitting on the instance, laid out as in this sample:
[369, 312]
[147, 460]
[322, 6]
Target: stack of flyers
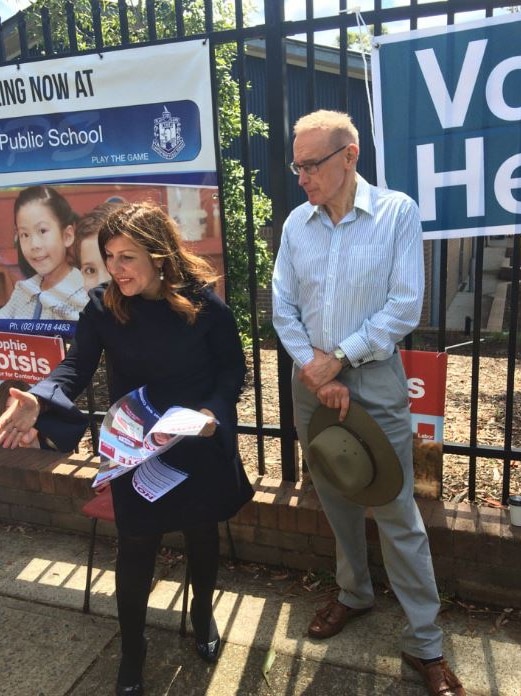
[132, 436]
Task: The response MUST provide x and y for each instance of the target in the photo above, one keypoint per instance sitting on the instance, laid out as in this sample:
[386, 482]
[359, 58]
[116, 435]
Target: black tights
[135, 570]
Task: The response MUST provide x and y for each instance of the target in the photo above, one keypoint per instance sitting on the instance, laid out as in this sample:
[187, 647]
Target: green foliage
[238, 266]
[234, 199]
[361, 39]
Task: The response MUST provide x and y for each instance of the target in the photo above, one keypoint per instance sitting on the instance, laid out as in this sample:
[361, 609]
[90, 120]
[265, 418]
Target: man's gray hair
[341, 126]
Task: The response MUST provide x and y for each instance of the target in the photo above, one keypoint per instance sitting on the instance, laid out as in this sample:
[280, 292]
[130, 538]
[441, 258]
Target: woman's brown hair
[147, 225]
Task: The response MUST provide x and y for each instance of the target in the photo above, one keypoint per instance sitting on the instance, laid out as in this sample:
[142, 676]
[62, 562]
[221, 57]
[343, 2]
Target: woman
[160, 325]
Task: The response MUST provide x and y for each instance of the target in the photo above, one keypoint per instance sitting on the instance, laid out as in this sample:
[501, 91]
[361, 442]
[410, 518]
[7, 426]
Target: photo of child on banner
[88, 257]
[52, 261]
[44, 236]
[426, 381]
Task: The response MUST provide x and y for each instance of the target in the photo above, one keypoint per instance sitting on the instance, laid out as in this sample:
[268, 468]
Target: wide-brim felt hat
[354, 455]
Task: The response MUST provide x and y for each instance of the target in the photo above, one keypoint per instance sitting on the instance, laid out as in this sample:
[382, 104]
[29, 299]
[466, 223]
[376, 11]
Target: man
[347, 287]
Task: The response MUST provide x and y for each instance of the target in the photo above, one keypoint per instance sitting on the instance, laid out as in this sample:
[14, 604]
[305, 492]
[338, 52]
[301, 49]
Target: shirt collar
[362, 199]
[363, 195]
[33, 285]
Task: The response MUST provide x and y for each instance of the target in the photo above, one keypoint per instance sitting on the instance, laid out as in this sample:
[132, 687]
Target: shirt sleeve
[378, 335]
[286, 312]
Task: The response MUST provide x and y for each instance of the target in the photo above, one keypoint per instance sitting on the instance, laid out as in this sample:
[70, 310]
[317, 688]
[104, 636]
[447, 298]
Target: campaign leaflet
[134, 433]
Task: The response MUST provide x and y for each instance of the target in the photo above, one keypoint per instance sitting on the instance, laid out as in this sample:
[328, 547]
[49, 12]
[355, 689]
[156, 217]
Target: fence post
[277, 109]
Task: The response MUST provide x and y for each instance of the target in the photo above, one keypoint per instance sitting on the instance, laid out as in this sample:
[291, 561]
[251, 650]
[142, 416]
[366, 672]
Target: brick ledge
[475, 550]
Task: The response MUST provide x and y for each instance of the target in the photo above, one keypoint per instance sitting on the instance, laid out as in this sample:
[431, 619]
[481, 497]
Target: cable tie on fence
[459, 345]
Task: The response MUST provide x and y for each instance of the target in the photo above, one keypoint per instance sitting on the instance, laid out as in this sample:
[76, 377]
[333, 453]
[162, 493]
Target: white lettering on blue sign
[452, 114]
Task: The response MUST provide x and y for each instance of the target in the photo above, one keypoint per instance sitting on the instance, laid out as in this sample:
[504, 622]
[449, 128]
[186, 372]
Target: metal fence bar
[277, 109]
[476, 346]
[275, 31]
[71, 26]
[511, 364]
[46, 30]
[123, 22]
[96, 23]
[250, 243]
[22, 36]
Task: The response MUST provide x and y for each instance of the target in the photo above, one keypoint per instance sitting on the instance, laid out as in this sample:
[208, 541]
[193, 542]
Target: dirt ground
[490, 417]
[490, 423]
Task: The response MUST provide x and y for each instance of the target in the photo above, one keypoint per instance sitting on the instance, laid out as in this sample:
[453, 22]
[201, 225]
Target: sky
[296, 10]
[10, 7]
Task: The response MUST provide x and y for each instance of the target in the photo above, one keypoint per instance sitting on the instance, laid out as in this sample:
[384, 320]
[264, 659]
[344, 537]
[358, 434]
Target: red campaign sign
[29, 358]
[426, 380]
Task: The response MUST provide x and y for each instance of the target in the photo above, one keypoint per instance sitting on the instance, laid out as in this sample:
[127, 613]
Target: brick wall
[476, 553]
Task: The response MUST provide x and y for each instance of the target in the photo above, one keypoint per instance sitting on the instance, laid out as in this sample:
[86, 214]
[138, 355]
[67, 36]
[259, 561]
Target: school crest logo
[168, 141]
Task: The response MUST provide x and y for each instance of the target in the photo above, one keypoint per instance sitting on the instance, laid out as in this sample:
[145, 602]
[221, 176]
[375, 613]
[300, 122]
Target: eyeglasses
[312, 167]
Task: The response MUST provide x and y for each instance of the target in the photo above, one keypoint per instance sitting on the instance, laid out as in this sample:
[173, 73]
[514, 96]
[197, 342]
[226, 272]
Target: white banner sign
[142, 111]
[81, 134]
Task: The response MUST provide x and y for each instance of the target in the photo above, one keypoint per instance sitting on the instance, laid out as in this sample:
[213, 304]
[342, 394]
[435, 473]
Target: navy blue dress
[197, 366]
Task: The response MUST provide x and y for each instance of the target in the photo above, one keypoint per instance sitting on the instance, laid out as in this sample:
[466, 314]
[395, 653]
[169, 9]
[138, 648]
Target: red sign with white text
[426, 378]
[29, 358]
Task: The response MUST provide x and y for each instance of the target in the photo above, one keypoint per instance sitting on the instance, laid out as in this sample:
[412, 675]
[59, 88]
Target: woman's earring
[161, 274]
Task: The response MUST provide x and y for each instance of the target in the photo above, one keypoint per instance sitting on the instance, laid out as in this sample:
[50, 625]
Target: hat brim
[388, 479]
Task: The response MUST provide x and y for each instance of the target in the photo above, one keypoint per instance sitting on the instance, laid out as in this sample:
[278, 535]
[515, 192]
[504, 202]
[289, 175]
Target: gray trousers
[381, 388]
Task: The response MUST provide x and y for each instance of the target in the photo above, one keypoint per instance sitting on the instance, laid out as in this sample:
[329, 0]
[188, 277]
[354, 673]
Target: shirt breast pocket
[366, 266]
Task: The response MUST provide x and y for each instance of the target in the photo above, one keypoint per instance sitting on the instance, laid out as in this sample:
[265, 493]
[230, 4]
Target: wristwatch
[342, 357]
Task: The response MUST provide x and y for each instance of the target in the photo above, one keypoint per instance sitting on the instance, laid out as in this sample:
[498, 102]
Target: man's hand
[334, 394]
[322, 369]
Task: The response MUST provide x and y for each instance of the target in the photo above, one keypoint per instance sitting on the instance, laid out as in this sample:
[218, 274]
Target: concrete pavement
[50, 648]
[493, 300]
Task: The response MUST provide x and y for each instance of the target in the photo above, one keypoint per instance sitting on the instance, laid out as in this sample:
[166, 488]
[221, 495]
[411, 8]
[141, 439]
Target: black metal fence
[278, 101]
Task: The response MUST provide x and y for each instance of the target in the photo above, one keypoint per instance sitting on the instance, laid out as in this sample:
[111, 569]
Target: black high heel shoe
[207, 638]
[209, 652]
[136, 689]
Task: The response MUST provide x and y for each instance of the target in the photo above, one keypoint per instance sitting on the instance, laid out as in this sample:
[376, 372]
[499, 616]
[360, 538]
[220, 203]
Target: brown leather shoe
[439, 679]
[332, 618]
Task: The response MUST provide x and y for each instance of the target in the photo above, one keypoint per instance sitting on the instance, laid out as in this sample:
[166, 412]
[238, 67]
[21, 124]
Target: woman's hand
[209, 428]
[18, 419]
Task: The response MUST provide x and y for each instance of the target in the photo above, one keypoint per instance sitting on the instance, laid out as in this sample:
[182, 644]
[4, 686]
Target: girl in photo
[45, 228]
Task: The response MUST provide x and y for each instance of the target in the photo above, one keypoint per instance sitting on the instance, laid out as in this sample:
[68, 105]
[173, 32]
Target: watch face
[339, 354]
